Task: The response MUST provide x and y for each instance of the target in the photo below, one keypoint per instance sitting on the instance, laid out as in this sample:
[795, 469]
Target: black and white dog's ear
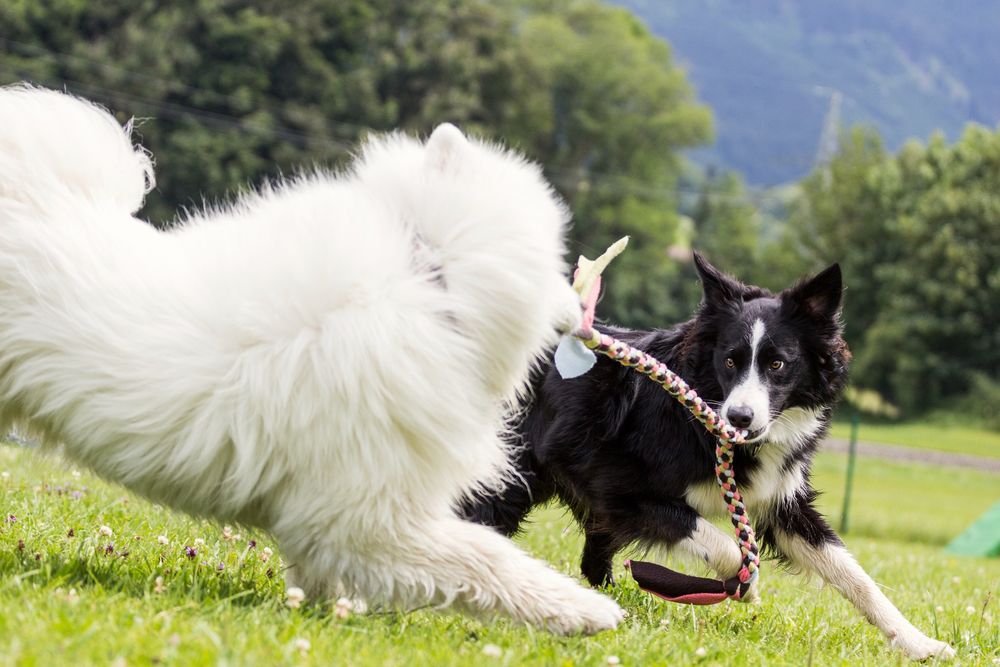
[819, 297]
[720, 289]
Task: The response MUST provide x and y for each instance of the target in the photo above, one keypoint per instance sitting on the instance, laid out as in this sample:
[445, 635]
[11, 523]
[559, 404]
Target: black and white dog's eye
[777, 365]
[730, 363]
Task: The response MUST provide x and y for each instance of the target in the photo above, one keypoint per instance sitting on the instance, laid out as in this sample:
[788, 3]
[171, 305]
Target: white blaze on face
[751, 391]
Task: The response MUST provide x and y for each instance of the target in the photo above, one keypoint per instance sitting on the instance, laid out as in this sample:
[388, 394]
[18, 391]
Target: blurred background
[777, 137]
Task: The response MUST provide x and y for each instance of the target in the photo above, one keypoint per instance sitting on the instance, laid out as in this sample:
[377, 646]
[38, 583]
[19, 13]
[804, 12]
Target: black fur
[622, 453]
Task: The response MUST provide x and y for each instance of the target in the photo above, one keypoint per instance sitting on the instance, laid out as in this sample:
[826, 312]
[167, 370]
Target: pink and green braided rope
[727, 435]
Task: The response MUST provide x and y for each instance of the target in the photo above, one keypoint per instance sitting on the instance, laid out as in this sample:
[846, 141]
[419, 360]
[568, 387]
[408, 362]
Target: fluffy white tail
[56, 146]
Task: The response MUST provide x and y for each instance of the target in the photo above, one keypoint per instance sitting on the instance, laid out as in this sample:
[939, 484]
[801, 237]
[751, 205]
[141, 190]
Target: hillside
[767, 69]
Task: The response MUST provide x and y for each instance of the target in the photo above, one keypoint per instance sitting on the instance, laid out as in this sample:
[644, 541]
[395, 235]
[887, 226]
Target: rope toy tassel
[652, 578]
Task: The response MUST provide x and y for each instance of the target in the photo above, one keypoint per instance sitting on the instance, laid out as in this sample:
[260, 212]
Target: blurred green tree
[234, 91]
[938, 325]
[840, 217]
[605, 109]
[238, 90]
[919, 241]
[726, 226]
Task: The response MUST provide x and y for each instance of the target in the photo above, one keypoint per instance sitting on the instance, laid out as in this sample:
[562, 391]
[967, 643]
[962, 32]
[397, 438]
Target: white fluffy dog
[327, 360]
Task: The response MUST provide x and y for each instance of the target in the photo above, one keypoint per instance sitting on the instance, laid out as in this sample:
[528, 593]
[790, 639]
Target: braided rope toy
[571, 362]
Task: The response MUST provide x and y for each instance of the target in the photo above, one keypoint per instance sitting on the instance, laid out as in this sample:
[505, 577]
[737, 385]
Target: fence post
[852, 455]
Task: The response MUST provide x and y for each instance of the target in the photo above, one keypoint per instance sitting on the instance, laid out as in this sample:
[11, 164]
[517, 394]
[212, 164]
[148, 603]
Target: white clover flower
[105, 531]
[5, 475]
[76, 473]
[970, 609]
[492, 651]
[198, 542]
[162, 539]
[265, 554]
[701, 652]
[227, 533]
[939, 609]
[613, 660]
[302, 645]
[160, 586]
[72, 595]
[295, 596]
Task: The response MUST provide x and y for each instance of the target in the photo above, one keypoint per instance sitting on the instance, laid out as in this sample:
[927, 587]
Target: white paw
[587, 612]
[918, 646]
[753, 593]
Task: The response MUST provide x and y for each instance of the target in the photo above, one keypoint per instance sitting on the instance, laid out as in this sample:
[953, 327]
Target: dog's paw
[918, 646]
[753, 593]
[587, 613]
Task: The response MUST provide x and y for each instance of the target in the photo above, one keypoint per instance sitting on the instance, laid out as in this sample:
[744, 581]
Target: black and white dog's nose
[739, 416]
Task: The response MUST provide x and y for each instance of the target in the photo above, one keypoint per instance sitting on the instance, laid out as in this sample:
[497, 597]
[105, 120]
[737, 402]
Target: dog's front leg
[719, 551]
[447, 561]
[803, 537]
[599, 548]
[674, 525]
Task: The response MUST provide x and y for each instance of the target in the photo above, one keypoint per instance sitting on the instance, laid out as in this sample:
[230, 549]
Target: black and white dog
[634, 468]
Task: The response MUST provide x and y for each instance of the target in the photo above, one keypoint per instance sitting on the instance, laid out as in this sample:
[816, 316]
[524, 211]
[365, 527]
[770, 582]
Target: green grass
[910, 502]
[114, 614]
[927, 435]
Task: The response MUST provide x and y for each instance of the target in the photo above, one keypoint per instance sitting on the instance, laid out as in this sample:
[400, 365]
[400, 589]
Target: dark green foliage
[918, 235]
[839, 218]
[239, 90]
[726, 226]
[606, 111]
[983, 400]
[234, 91]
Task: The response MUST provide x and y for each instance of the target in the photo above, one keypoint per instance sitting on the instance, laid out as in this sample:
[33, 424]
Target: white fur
[772, 483]
[838, 568]
[794, 427]
[751, 392]
[719, 551]
[328, 360]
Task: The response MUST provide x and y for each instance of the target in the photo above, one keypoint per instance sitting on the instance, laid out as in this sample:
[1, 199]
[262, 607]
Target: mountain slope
[768, 68]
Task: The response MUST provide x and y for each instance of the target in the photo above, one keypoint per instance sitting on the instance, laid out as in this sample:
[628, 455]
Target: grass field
[941, 436]
[71, 595]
